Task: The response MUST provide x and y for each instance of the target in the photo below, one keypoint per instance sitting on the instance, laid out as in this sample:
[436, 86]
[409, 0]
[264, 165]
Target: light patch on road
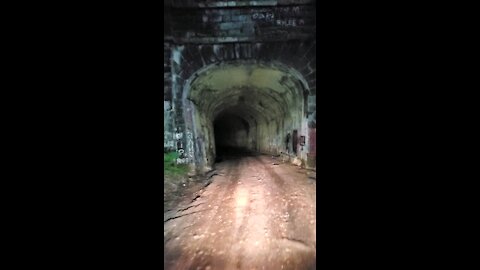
[241, 197]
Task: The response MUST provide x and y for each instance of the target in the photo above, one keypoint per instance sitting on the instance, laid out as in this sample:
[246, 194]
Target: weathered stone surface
[238, 3]
[275, 23]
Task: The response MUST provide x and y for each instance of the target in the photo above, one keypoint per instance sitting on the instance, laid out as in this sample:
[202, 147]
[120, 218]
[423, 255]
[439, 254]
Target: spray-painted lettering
[190, 145]
[288, 22]
[266, 16]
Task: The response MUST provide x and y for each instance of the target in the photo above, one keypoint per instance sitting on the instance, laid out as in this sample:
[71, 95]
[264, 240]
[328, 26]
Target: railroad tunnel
[248, 107]
[239, 105]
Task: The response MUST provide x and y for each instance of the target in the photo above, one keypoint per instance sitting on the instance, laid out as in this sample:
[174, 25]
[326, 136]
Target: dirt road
[253, 215]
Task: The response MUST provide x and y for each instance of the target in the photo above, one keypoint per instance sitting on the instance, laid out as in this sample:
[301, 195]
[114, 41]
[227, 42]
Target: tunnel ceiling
[252, 91]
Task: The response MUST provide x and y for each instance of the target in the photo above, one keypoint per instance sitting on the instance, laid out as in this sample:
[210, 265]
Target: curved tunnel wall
[245, 104]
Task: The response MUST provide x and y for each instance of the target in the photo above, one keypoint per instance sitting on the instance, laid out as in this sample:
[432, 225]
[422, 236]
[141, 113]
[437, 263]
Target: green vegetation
[170, 167]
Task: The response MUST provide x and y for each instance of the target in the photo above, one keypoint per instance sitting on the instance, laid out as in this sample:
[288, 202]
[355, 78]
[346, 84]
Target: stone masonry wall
[241, 24]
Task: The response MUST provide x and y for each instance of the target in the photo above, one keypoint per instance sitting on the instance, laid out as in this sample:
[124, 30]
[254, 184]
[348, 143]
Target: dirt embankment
[178, 188]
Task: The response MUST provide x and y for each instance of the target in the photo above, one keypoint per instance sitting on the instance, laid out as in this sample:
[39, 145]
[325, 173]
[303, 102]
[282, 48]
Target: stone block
[312, 83]
[229, 52]
[216, 18]
[241, 18]
[234, 32]
[230, 26]
[248, 29]
[246, 51]
[311, 76]
[218, 50]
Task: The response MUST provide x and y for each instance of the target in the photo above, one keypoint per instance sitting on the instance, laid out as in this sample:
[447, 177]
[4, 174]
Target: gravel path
[257, 213]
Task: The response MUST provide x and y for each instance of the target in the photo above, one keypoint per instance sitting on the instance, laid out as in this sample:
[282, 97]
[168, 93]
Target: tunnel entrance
[244, 108]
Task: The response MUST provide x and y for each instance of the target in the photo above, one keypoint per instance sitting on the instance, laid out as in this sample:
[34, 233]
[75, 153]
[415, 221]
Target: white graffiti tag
[190, 145]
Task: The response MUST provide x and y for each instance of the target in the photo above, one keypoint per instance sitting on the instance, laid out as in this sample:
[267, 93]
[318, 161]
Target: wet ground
[256, 213]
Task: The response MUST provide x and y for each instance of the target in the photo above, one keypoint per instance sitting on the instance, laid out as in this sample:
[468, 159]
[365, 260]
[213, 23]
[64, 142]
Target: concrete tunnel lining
[269, 97]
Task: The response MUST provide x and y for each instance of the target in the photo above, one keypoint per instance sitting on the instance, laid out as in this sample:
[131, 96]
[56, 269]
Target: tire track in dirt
[293, 249]
[254, 222]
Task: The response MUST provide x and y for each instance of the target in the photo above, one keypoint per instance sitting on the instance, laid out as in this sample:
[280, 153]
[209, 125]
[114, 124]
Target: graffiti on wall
[185, 151]
[168, 142]
[292, 11]
[285, 16]
[182, 159]
[190, 145]
[263, 16]
[290, 22]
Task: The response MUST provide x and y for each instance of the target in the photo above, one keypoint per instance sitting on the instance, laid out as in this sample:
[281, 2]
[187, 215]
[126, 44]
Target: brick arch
[287, 69]
[298, 55]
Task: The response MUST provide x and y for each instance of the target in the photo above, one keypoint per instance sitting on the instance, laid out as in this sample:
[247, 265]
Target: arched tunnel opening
[245, 108]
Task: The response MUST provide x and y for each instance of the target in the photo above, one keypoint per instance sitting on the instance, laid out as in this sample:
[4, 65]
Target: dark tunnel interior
[232, 136]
